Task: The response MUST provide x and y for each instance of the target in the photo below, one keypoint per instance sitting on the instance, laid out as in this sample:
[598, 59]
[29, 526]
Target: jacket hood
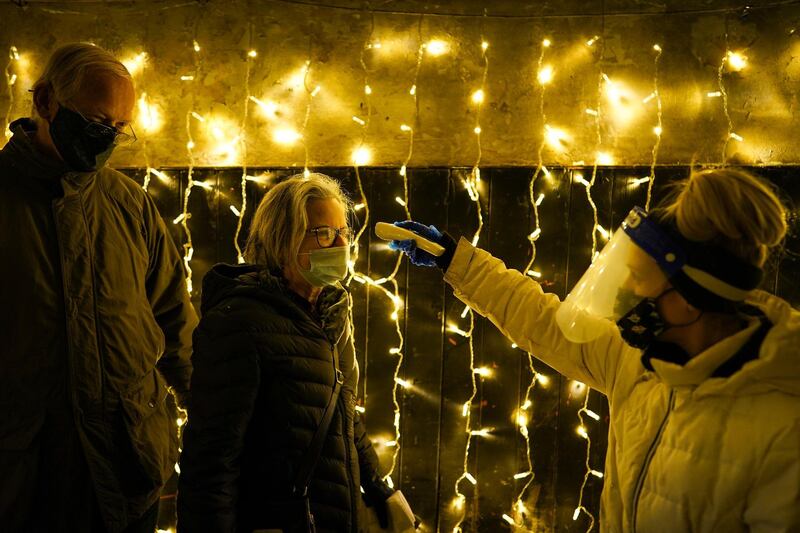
[778, 365]
[257, 282]
[224, 281]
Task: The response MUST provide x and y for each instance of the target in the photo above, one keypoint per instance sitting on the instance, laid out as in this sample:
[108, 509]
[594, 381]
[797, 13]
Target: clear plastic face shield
[634, 265]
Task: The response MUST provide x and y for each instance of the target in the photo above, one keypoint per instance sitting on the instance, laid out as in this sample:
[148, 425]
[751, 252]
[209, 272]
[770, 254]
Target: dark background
[433, 436]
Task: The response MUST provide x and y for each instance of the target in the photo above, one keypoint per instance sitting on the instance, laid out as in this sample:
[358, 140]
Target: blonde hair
[730, 208]
[281, 220]
[70, 65]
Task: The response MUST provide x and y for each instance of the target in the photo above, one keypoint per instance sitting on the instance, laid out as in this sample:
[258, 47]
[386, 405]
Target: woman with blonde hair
[700, 368]
[273, 440]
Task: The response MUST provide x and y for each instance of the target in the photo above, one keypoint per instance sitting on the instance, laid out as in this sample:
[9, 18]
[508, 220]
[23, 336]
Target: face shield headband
[707, 276]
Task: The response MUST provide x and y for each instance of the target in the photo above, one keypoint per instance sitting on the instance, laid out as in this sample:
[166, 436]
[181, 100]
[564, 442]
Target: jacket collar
[31, 163]
[703, 366]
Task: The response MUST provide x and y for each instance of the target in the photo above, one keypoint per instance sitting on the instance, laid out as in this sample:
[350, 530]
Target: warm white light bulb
[483, 371]
[545, 75]
[362, 156]
[403, 383]
[555, 137]
[286, 136]
[478, 96]
[736, 61]
[604, 159]
[436, 47]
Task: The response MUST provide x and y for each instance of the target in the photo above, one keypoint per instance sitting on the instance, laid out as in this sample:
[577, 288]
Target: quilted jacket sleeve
[225, 386]
[517, 305]
[170, 302]
[773, 503]
[375, 488]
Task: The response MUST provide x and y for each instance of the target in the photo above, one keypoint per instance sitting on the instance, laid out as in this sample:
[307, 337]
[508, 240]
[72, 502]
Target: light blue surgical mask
[328, 265]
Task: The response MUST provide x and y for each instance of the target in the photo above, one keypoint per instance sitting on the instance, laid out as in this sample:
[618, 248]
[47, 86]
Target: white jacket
[686, 451]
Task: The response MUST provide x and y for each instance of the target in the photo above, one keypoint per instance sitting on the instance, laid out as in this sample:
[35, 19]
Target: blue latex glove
[420, 257]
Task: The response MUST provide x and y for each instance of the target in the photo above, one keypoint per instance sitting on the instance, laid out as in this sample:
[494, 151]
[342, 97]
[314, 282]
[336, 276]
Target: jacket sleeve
[225, 386]
[375, 488]
[169, 299]
[368, 463]
[517, 305]
[773, 502]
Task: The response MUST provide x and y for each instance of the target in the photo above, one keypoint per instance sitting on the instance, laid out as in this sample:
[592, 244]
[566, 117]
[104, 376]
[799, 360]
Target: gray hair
[281, 220]
[70, 65]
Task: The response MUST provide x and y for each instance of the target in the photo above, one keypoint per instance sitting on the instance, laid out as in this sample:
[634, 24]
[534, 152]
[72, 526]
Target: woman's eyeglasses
[326, 235]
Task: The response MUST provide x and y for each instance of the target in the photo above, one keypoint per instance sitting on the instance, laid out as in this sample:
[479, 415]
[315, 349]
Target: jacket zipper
[649, 457]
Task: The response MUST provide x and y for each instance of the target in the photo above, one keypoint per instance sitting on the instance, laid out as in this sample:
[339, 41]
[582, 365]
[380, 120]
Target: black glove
[420, 257]
[376, 492]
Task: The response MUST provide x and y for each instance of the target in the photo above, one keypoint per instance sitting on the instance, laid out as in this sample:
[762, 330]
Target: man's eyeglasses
[98, 130]
[326, 235]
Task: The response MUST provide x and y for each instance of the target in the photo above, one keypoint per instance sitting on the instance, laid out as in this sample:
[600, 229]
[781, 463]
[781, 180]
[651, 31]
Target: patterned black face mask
[641, 325]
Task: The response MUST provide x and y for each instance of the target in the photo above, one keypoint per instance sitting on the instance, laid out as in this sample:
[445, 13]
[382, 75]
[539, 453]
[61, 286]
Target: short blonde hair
[730, 208]
[281, 220]
[70, 65]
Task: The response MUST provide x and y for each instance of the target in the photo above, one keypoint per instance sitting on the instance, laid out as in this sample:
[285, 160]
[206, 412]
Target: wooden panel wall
[433, 437]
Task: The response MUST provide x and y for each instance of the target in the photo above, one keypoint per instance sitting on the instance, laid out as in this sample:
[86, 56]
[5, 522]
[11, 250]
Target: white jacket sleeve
[517, 305]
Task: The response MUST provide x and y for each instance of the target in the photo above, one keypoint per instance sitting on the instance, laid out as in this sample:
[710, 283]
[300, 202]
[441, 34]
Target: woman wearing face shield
[273, 441]
[701, 370]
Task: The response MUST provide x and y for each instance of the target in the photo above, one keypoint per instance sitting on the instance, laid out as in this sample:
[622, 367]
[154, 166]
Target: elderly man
[95, 320]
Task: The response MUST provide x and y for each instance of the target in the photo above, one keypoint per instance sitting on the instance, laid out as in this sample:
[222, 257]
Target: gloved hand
[421, 257]
[376, 492]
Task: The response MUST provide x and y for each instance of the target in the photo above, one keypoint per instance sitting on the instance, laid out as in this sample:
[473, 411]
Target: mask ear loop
[669, 324]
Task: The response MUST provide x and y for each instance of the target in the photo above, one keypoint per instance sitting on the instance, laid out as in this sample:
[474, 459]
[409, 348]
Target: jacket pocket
[153, 435]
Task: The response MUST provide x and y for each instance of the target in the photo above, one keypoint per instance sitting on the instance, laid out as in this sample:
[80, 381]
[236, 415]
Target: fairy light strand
[540, 161]
[460, 498]
[365, 124]
[657, 130]
[137, 67]
[392, 295]
[521, 418]
[472, 188]
[11, 80]
[734, 61]
[188, 246]
[249, 58]
[310, 94]
[598, 115]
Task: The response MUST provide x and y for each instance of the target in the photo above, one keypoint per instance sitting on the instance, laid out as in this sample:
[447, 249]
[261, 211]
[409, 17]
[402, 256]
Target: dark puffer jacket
[263, 374]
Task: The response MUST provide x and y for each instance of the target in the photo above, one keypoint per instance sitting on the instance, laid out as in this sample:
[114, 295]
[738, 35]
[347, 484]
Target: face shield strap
[713, 279]
[707, 276]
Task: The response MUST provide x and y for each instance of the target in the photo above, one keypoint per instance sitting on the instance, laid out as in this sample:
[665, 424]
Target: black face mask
[641, 325]
[82, 148]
